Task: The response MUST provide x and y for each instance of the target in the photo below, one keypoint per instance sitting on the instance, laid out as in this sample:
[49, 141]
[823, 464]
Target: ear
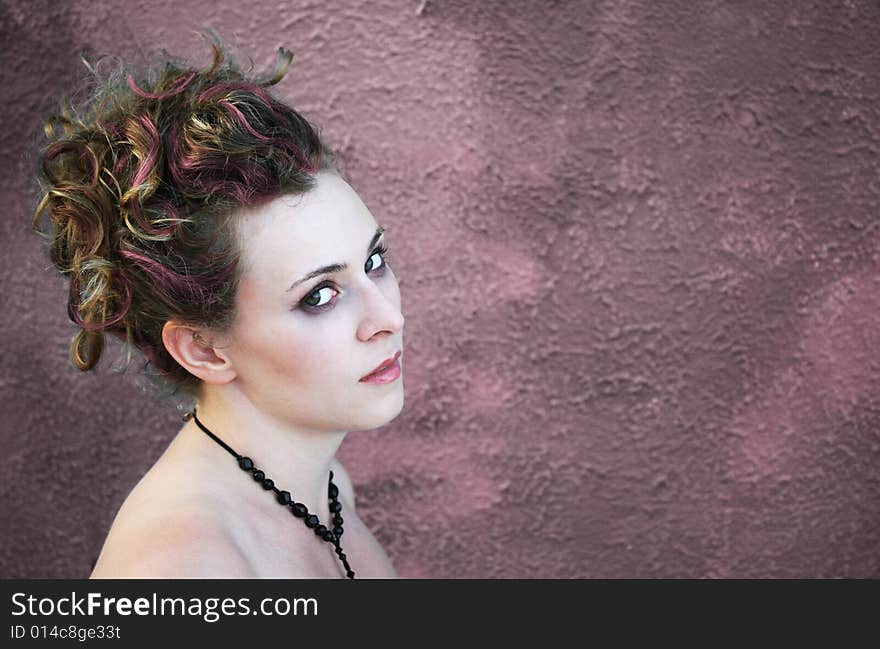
[199, 353]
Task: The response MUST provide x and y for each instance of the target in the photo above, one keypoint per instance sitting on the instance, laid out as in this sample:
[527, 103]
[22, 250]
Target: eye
[382, 252]
[310, 303]
[313, 302]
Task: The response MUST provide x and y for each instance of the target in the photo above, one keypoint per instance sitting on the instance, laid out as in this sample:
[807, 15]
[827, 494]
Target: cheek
[288, 358]
[268, 348]
[301, 349]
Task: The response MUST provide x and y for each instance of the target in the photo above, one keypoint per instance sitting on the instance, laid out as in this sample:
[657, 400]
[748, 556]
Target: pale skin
[282, 387]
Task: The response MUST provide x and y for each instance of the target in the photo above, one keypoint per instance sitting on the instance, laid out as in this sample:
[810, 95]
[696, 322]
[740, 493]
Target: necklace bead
[284, 498]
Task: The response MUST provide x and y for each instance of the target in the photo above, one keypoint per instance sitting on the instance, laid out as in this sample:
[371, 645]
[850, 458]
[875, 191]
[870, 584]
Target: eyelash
[309, 308]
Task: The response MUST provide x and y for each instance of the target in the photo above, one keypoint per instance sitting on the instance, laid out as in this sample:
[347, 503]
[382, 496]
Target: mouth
[384, 365]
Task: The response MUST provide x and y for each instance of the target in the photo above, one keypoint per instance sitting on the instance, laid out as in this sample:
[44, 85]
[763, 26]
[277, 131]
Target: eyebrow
[335, 268]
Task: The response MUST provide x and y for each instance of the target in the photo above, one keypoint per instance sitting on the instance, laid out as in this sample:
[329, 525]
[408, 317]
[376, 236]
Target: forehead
[292, 235]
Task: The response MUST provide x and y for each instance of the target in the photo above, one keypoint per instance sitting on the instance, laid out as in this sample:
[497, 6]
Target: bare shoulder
[342, 480]
[159, 534]
[185, 543]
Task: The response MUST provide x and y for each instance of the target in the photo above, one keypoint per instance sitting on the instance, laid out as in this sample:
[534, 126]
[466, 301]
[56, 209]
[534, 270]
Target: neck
[298, 459]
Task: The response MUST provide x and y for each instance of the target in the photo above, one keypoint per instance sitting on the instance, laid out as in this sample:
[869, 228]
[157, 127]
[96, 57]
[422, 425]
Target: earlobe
[198, 356]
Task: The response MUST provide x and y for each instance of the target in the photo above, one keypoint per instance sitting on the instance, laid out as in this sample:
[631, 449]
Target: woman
[204, 223]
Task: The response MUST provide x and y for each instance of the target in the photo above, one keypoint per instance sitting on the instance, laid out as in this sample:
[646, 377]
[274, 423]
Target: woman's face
[300, 348]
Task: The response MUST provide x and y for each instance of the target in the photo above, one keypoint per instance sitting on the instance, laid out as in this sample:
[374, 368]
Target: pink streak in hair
[182, 287]
[120, 165]
[179, 85]
[170, 210]
[143, 172]
[172, 148]
[249, 87]
[135, 208]
[53, 152]
[164, 277]
[73, 307]
[297, 153]
[152, 153]
[111, 128]
[243, 120]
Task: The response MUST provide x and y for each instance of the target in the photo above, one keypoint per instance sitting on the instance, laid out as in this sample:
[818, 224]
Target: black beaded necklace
[283, 497]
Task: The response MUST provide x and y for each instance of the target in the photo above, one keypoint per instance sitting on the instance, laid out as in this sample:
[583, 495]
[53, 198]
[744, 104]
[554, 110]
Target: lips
[383, 365]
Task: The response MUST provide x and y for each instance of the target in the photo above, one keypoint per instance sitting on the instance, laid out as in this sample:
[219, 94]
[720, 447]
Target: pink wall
[640, 263]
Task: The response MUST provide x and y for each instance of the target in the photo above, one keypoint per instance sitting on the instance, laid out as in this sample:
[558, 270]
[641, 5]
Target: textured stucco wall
[640, 264]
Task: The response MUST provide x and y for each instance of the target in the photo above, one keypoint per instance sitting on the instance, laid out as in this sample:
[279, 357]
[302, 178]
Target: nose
[381, 312]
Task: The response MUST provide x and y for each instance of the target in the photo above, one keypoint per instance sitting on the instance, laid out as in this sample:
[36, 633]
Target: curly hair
[142, 184]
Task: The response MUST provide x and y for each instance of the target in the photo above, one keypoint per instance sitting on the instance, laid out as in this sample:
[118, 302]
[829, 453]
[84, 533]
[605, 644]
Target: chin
[378, 412]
